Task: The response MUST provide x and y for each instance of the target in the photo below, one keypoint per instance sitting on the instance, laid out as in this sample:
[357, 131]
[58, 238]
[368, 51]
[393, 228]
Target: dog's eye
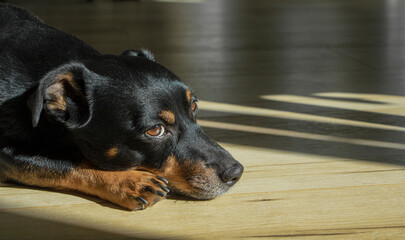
[194, 106]
[156, 131]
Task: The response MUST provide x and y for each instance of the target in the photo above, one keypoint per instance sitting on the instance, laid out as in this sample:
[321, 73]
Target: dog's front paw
[135, 190]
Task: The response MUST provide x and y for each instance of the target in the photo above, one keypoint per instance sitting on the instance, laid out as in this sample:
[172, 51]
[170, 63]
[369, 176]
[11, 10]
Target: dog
[119, 127]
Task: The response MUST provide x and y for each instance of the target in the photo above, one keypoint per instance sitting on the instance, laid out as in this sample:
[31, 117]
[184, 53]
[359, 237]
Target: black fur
[108, 101]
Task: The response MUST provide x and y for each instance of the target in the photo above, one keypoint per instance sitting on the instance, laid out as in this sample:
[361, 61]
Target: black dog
[111, 126]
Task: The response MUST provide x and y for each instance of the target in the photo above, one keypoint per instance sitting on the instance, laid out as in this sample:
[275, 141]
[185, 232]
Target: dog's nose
[232, 174]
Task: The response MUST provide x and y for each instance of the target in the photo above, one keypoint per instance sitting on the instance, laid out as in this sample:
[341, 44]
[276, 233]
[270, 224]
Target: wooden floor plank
[356, 211]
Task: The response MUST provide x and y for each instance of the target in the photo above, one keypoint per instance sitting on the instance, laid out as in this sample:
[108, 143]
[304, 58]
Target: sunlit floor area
[308, 95]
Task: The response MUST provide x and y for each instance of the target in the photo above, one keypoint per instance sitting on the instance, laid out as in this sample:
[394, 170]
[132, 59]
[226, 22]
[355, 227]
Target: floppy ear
[139, 53]
[62, 94]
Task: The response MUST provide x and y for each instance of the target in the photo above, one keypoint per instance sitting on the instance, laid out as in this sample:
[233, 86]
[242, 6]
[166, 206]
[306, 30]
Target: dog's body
[119, 127]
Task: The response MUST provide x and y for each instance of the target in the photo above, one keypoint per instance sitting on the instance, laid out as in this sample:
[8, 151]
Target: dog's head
[128, 112]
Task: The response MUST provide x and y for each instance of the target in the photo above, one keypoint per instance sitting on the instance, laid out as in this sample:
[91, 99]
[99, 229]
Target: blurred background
[236, 50]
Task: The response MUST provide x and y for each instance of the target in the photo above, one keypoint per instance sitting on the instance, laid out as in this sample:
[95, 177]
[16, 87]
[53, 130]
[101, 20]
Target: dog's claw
[162, 194]
[142, 200]
[163, 180]
[164, 188]
[161, 186]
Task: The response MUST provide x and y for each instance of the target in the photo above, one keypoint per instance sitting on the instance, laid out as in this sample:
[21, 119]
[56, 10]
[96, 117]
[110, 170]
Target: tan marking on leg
[120, 187]
[168, 116]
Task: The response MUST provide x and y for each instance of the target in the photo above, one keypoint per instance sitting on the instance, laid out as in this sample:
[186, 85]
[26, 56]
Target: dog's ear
[63, 94]
[139, 53]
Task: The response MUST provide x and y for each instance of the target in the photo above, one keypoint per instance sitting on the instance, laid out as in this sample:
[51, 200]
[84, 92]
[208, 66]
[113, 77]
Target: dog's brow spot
[112, 152]
[188, 95]
[167, 116]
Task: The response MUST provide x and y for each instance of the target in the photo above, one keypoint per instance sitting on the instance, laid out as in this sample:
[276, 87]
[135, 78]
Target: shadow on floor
[391, 149]
[16, 227]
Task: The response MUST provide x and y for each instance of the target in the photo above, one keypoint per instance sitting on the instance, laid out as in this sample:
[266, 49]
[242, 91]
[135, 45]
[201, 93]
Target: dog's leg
[132, 189]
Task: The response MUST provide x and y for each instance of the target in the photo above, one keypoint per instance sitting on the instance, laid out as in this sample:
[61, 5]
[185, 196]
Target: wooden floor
[308, 95]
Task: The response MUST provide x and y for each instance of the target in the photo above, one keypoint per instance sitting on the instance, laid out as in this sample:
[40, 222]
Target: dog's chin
[198, 191]
[208, 194]
[198, 195]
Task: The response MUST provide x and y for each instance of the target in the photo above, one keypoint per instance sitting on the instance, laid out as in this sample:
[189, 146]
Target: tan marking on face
[112, 152]
[174, 173]
[189, 178]
[177, 175]
[188, 95]
[168, 116]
